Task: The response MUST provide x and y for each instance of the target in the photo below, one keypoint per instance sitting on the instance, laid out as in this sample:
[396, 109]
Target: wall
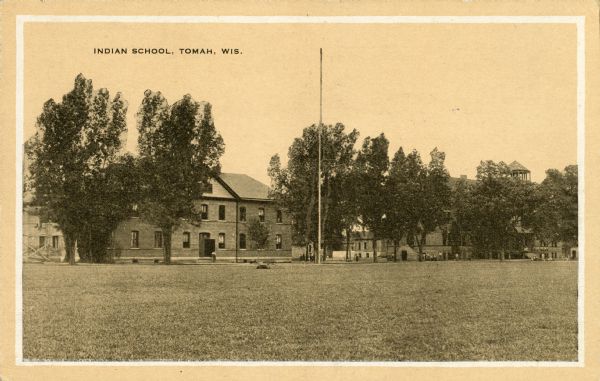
[33, 228]
[122, 235]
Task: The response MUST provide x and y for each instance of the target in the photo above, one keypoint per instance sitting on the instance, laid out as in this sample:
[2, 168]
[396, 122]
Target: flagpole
[318, 257]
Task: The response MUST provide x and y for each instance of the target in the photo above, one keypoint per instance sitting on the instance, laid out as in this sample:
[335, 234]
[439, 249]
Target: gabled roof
[244, 186]
[516, 166]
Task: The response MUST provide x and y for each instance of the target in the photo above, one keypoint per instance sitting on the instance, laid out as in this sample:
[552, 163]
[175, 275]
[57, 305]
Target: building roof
[516, 166]
[244, 186]
[453, 181]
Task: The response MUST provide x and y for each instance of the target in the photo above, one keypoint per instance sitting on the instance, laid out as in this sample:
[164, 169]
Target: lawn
[479, 310]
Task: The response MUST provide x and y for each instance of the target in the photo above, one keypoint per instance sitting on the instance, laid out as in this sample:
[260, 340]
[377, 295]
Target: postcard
[299, 190]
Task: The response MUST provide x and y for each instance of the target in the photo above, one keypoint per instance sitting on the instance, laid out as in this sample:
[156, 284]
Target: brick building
[232, 201]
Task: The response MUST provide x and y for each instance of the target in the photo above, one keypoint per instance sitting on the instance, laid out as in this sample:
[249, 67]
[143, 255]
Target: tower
[518, 171]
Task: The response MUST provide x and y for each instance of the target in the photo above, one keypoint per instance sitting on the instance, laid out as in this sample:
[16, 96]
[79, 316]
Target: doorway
[206, 245]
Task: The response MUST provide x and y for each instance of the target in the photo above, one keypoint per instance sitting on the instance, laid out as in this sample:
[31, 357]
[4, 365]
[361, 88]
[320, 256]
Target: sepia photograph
[299, 190]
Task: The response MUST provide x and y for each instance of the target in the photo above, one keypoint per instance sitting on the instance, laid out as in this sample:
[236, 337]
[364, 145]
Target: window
[204, 211]
[365, 245]
[42, 241]
[242, 241]
[279, 216]
[221, 240]
[135, 239]
[278, 241]
[55, 239]
[186, 240]
[134, 210]
[261, 214]
[243, 213]
[221, 212]
[158, 241]
[208, 188]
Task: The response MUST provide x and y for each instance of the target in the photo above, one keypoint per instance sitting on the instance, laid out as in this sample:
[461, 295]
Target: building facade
[42, 240]
[227, 209]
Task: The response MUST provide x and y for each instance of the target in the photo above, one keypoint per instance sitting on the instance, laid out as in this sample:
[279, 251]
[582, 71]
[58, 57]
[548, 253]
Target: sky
[476, 92]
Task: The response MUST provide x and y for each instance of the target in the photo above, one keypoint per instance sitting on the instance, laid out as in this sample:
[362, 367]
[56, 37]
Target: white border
[579, 21]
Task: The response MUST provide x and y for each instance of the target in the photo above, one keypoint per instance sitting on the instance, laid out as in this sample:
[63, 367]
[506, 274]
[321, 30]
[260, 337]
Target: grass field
[427, 311]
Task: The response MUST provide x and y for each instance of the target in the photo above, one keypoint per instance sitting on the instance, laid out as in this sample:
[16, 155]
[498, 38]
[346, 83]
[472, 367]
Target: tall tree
[501, 209]
[396, 217]
[436, 193]
[179, 151]
[372, 163]
[556, 216]
[421, 195]
[75, 142]
[460, 206]
[113, 193]
[295, 187]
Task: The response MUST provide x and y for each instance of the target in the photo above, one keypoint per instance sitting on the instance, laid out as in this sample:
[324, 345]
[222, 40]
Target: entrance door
[404, 255]
[206, 245]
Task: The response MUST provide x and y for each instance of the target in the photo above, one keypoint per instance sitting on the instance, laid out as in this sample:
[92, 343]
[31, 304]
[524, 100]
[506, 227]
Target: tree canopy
[258, 232]
[500, 210]
[295, 187]
[180, 150]
[73, 156]
[420, 194]
[555, 217]
[372, 163]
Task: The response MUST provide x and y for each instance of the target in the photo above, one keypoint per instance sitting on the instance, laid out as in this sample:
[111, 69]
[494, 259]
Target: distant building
[42, 240]
[231, 202]
[436, 243]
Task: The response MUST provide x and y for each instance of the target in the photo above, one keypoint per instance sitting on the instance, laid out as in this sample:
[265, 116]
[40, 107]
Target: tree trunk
[306, 252]
[420, 246]
[167, 246]
[374, 249]
[91, 257]
[312, 200]
[347, 245]
[69, 248]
